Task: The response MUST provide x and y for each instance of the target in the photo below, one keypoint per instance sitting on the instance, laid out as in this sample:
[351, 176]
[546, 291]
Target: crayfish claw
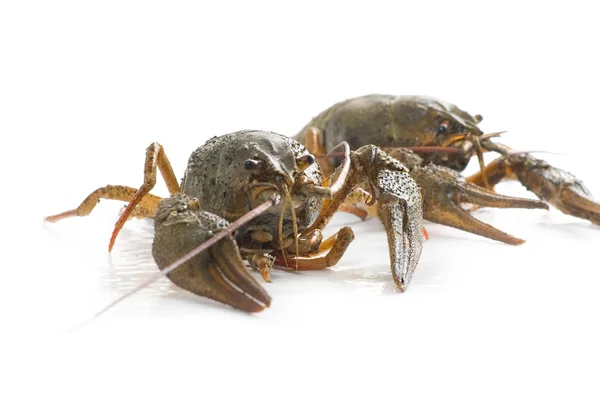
[444, 190]
[400, 209]
[557, 187]
[399, 206]
[573, 198]
[580, 198]
[480, 196]
[578, 202]
[218, 273]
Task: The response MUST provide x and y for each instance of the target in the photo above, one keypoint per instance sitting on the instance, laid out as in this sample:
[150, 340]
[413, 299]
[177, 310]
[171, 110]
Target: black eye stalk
[442, 128]
[305, 161]
[252, 164]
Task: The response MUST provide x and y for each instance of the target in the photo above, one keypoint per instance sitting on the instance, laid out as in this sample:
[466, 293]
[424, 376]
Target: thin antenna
[252, 214]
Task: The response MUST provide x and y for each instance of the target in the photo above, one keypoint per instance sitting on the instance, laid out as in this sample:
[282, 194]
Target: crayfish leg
[155, 158]
[494, 171]
[330, 252]
[263, 264]
[355, 210]
[553, 185]
[146, 207]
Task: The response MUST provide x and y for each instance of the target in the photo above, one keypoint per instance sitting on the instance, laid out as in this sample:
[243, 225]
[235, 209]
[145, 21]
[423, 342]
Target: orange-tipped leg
[263, 264]
[355, 210]
[155, 157]
[330, 252]
[495, 172]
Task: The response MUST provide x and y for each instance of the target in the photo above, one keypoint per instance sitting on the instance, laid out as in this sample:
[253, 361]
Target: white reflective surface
[85, 89]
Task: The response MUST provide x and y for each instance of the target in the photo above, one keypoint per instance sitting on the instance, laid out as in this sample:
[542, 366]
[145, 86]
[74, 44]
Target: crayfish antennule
[280, 233]
[294, 225]
[479, 151]
[244, 219]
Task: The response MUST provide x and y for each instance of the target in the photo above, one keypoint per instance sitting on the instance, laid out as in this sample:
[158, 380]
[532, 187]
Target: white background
[85, 87]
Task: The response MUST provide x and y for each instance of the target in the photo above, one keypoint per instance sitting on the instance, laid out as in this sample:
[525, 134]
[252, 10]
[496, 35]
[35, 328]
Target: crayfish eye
[305, 161]
[251, 164]
[442, 128]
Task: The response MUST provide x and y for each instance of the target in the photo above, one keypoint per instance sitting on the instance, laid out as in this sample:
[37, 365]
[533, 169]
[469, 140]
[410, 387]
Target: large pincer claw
[401, 211]
[400, 208]
[445, 190]
[218, 273]
[576, 200]
[557, 187]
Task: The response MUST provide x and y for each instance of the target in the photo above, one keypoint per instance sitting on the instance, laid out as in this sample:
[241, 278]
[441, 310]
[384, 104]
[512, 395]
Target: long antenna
[252, 214]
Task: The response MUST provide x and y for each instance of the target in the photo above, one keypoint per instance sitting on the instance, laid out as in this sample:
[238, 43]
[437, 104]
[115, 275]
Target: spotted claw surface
[401, 211]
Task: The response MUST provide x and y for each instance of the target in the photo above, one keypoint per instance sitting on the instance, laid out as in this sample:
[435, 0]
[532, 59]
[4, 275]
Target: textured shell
[215, 174]
[388, 121]
[179, 229]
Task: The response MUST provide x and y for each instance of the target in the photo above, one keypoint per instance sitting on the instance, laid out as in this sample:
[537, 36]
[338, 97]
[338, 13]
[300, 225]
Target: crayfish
[232, 175]
[401, 162]
[436, 140]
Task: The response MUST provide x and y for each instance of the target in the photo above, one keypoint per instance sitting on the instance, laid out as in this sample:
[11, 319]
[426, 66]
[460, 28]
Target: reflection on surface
[86, 278]
[131, 261]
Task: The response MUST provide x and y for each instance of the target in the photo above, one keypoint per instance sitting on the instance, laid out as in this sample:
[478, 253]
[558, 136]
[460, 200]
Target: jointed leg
[359, 196]
[557, 187]
[349, 206]
[155, 157]
[146, 208]
[264, 265]
[495, 172]
[353, 209]
[400, 206]
[330, 207]
[330, 252]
